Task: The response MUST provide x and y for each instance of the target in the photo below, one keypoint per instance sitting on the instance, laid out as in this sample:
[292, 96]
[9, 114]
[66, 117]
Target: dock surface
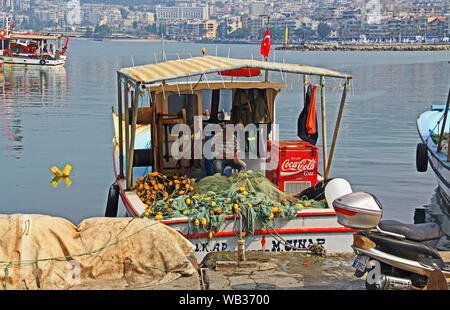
[260, 271]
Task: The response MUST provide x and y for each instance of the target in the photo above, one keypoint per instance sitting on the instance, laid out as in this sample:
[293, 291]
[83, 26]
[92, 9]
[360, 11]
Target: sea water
[53, 117]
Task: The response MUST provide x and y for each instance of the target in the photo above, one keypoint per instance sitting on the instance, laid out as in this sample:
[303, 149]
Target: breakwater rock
[367, 47]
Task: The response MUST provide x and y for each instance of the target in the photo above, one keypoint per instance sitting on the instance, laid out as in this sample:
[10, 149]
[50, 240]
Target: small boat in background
[19, 48]
[433, 127]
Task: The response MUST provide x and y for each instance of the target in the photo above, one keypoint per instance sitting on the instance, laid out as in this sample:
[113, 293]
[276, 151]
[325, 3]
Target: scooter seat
[415, 232]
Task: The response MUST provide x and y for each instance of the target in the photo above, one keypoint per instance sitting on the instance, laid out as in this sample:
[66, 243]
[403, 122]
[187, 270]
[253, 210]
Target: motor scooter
[392, 254]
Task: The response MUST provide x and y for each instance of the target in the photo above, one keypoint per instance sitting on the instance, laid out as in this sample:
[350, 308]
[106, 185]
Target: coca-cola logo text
[306, 164]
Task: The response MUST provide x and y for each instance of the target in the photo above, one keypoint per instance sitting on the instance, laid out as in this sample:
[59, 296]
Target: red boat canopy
[241, 72]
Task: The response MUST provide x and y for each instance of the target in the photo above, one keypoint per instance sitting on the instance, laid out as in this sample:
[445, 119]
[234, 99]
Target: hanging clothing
[312, 119]
[241, 109]
[261, 110]
[307, 120]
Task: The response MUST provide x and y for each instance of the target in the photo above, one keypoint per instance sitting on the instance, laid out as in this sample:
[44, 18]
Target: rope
[311, 249]
[285, 243]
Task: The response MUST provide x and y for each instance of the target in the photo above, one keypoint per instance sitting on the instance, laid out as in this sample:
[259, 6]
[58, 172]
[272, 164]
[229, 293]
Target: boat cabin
[33, 46]
[181, 106]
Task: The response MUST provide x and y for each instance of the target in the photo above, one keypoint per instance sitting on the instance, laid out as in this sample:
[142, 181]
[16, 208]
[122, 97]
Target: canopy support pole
[127, 131]
[134, 106]
[324, 125]
[119, 95]
[336, 129]
[305, 80]
[266, 79]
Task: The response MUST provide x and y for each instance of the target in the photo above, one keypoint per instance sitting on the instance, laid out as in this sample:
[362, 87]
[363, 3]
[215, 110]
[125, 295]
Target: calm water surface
[63, 116]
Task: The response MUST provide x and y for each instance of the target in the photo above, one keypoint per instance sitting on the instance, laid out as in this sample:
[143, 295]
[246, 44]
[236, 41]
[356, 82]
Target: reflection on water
[435, 212]
[23, 87]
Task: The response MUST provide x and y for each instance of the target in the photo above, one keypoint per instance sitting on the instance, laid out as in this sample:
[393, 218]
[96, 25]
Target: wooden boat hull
[313, 226]
[437, 160]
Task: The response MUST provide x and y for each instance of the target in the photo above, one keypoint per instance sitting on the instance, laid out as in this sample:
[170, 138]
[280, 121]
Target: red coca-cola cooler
[292, 165]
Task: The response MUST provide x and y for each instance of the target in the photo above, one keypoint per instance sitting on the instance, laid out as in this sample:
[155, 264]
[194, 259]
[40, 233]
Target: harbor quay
[366, 47]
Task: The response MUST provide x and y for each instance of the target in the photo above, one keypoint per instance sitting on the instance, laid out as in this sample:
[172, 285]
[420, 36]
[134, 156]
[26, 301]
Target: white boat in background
[433, 127]
[19, 48]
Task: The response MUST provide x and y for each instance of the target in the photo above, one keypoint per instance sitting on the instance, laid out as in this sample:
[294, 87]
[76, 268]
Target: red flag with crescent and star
[265, 45]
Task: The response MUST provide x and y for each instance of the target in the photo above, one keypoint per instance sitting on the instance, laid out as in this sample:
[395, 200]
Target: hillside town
[237, 20]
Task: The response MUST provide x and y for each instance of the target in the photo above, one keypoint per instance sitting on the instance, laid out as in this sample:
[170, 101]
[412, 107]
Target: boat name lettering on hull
[205, 247]
[277, 246]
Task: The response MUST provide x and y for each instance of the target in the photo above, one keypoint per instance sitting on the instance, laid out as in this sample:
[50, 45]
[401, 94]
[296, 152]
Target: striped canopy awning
[174, 69]
[32, 36]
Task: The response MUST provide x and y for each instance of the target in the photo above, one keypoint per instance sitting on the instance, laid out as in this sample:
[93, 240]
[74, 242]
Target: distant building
[436, 26]
[228, 25]
[24, 5]
[208, 29]
[254, 24]
[182, 13]
[257, 8]
[425, 9]
[447, 25]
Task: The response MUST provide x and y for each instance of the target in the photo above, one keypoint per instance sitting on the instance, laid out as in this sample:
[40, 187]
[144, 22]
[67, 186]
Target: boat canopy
[175, 69]
[153, 78]
[35, 36]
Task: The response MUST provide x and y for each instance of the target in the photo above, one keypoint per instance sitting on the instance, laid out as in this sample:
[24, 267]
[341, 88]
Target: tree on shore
[323, 30]
[124, 13]
[102, 31]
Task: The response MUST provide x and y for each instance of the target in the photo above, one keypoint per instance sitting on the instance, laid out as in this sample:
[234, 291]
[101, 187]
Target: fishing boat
[154, 98]
[20, 48]
[433, 127]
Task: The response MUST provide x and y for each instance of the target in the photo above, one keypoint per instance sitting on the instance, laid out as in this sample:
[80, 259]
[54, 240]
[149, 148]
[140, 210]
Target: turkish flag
[265, 45]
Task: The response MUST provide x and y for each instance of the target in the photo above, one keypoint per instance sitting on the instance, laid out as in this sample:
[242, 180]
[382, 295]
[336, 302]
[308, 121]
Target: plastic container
[358, 210]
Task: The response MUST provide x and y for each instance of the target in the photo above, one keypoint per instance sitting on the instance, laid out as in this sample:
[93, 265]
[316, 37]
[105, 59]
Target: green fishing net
[247, 194]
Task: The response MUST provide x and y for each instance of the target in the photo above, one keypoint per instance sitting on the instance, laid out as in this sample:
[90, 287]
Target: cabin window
[185, 101]
[213, 111]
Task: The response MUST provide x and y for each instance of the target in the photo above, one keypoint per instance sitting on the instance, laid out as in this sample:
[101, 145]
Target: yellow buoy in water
[67, 181]
[61, 175]
[55, 181]
[66, 171]
[56, 171]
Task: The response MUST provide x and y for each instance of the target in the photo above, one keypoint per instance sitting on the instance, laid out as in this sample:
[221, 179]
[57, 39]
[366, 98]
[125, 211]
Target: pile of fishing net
[252, 181]
[214, 198]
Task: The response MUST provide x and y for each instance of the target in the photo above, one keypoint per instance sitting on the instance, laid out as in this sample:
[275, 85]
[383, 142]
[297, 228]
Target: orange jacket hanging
[311, 118]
